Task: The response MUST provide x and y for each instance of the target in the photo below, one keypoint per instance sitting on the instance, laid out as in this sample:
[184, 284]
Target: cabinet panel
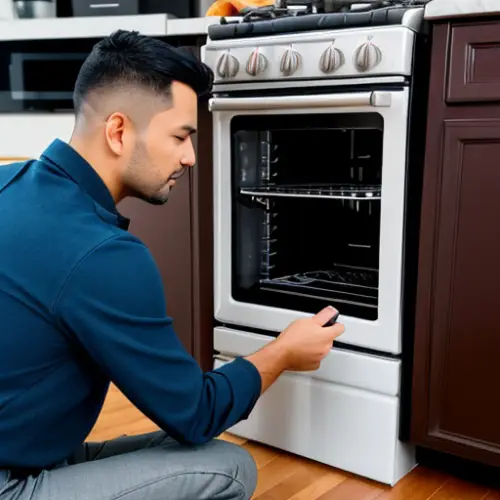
[474, 72]
[459, 314]
[166, 231]
[179, 235]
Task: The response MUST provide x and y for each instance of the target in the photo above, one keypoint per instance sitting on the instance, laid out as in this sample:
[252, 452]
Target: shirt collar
[65, 158]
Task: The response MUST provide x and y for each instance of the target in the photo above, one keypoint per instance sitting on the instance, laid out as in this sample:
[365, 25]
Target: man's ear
[116, 129]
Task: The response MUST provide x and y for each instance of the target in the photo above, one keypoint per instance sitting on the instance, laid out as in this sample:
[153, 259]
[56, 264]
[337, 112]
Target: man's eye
[182, 139]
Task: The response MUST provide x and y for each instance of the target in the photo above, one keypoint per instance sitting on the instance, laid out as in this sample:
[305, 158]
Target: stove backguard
[306, 199]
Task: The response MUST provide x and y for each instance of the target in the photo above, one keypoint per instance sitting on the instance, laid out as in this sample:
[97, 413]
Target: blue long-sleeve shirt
[82, 304]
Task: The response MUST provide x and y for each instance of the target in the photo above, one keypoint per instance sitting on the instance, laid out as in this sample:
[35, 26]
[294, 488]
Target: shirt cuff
[243, 375]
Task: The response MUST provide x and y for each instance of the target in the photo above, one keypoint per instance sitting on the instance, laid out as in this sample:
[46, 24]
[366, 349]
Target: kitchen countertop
[97, 27]
[437, 9]
[162, 25]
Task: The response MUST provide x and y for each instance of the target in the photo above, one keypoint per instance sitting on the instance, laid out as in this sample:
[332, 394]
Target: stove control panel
[311, 56]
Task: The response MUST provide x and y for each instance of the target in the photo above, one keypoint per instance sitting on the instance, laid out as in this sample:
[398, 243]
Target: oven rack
[325, 191]
[339, 276]
[350, 285]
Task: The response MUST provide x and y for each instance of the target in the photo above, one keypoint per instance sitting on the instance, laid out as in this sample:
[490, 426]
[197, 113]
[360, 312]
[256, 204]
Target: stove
[319, 112]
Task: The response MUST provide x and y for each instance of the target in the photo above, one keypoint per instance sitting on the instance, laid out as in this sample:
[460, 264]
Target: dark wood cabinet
[456, 396]
[474, 72]
[180, 237]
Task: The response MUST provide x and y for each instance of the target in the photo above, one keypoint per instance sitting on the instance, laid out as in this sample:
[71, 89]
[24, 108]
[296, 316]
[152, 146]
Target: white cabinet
[27, 135]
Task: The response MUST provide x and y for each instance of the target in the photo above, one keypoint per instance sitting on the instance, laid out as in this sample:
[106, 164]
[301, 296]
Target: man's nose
[189, 156]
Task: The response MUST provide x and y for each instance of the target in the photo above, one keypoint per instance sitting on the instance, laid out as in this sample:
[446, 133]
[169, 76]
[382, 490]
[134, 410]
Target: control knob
[227, 65]
[290, 62]
[257, 63]
[367, 56]
[331, 60]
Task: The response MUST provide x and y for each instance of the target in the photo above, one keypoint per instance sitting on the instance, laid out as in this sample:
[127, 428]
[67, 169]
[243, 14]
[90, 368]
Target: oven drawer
[473, 69]
[347, 428]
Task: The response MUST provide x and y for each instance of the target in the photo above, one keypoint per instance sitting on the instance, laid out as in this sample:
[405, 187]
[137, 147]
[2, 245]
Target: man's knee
[239, 464]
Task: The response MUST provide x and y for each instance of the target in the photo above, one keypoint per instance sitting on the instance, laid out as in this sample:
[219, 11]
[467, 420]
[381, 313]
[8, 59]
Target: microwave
[39, 75]
[43, 80]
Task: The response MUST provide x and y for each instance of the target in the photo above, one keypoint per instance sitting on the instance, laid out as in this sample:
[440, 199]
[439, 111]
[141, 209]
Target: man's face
[163, 151]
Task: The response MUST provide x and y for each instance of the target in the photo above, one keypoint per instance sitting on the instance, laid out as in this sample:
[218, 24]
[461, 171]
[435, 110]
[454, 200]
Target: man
[82, 303]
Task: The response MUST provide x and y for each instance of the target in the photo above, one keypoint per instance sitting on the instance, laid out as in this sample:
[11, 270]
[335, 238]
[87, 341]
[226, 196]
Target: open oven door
[294, 232]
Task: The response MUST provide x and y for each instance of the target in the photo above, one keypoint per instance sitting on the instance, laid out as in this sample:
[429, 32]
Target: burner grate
[294, 8]
[295, 16]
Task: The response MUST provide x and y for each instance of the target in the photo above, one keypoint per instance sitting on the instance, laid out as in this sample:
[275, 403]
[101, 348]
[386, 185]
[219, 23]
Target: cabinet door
[166, 231]
[179, 235]
[474, 72]
[457, 357]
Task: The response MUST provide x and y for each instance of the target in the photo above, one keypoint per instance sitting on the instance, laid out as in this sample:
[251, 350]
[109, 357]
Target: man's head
[136, 102]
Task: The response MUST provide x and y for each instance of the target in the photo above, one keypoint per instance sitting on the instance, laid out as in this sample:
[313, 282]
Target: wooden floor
[286, 477]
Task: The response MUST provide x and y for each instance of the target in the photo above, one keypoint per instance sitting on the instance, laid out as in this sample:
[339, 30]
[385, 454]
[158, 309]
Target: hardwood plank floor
[283, 476]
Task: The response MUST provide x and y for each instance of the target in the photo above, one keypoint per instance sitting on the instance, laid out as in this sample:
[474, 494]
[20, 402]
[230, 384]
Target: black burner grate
[294, 8]
[313, 15]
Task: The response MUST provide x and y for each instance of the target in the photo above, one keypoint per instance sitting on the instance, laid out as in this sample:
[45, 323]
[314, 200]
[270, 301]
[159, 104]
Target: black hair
[127, 57]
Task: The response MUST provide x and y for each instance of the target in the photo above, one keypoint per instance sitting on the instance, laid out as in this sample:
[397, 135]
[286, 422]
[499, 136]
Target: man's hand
[300, 347]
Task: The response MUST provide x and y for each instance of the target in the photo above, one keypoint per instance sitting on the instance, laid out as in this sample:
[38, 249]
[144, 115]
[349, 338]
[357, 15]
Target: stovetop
[292, 16]
[294, 8]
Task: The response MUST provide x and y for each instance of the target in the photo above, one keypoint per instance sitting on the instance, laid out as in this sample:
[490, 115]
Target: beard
[140, 175]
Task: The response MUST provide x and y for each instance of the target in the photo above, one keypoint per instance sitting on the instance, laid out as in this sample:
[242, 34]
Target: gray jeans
[151, 466]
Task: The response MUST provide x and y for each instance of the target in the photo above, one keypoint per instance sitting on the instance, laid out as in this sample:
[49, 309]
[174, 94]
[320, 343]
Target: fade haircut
[126, 58]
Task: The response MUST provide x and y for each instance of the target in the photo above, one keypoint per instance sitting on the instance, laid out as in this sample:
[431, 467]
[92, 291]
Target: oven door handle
[355, 99]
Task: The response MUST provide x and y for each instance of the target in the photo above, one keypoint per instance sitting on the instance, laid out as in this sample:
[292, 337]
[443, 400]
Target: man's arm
[113, 304]
[300, 347]
[271, 362]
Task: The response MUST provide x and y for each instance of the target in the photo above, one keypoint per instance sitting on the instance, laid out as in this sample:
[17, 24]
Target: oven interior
[306, 200]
